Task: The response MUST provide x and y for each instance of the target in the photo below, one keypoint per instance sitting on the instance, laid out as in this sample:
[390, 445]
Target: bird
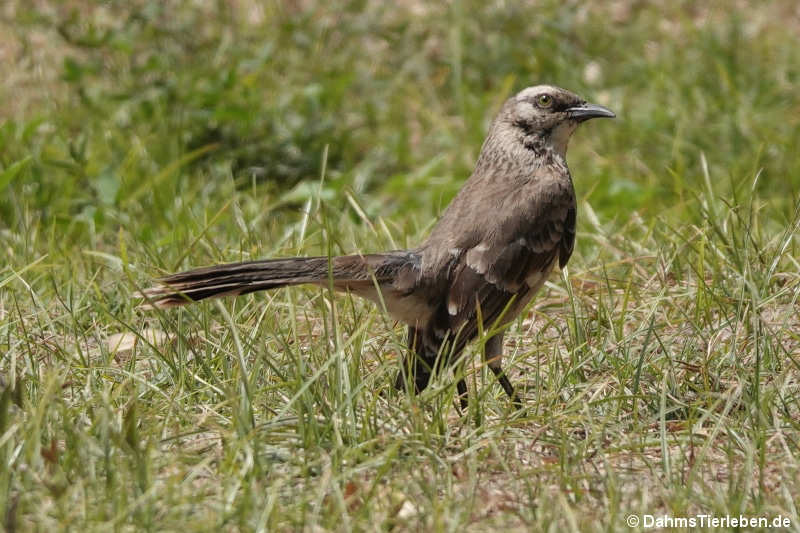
[490, 252]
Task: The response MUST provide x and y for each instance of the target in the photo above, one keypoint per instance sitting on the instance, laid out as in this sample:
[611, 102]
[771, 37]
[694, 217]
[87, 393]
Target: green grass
[661, 372]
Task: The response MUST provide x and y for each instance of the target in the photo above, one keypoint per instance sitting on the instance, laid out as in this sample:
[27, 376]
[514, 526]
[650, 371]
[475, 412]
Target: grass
[660, 371]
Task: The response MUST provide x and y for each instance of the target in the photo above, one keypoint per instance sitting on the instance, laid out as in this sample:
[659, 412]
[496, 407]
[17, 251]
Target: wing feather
[536, 228]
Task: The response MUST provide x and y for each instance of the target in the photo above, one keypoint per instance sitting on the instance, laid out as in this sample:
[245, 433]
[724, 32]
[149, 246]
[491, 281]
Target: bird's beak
[587, 111]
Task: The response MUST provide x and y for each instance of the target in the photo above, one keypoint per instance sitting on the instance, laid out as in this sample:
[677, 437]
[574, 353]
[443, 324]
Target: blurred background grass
[103, 96]
[146, 136]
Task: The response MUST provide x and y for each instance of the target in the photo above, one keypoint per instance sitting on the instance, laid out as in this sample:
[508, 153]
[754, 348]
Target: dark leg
[463, 395]
[494, 357]
[413, 367]
[418, 367]
[501, 377]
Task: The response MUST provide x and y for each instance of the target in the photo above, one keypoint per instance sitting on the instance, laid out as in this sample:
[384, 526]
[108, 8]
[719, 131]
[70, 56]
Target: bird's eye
[544, 100]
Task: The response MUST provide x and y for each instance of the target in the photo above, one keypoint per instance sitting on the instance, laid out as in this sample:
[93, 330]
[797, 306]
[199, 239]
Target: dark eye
[544, 101]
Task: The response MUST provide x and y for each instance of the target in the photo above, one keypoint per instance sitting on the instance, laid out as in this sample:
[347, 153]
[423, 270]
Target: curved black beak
[586, 111]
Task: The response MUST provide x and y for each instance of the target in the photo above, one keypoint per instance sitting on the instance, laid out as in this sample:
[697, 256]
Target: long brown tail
[349, 272]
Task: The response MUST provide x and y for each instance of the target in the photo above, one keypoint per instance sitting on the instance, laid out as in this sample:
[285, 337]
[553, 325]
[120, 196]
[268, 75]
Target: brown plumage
[490, 252]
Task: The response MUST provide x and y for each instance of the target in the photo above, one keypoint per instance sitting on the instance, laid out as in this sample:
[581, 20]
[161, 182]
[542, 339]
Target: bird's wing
[516, 237]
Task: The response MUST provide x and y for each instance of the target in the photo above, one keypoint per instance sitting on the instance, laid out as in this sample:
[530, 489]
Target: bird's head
[544, 117]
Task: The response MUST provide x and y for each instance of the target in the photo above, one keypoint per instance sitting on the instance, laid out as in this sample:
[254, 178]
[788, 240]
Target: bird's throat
[558, 140]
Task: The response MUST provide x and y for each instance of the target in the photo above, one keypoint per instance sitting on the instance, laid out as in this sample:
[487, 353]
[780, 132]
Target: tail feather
[348, 271]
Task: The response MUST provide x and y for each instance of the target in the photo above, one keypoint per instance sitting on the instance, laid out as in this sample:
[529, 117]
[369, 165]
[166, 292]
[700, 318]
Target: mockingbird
[490, 252]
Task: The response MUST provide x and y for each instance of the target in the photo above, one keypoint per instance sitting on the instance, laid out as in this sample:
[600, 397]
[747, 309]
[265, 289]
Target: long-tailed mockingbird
[490, 252]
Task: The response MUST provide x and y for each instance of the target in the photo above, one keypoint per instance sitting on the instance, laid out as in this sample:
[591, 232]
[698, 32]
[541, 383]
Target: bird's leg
[493, 353]
[461, 387]
[414, 368]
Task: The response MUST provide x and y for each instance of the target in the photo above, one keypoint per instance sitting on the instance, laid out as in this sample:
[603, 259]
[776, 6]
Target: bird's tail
[349, 272]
